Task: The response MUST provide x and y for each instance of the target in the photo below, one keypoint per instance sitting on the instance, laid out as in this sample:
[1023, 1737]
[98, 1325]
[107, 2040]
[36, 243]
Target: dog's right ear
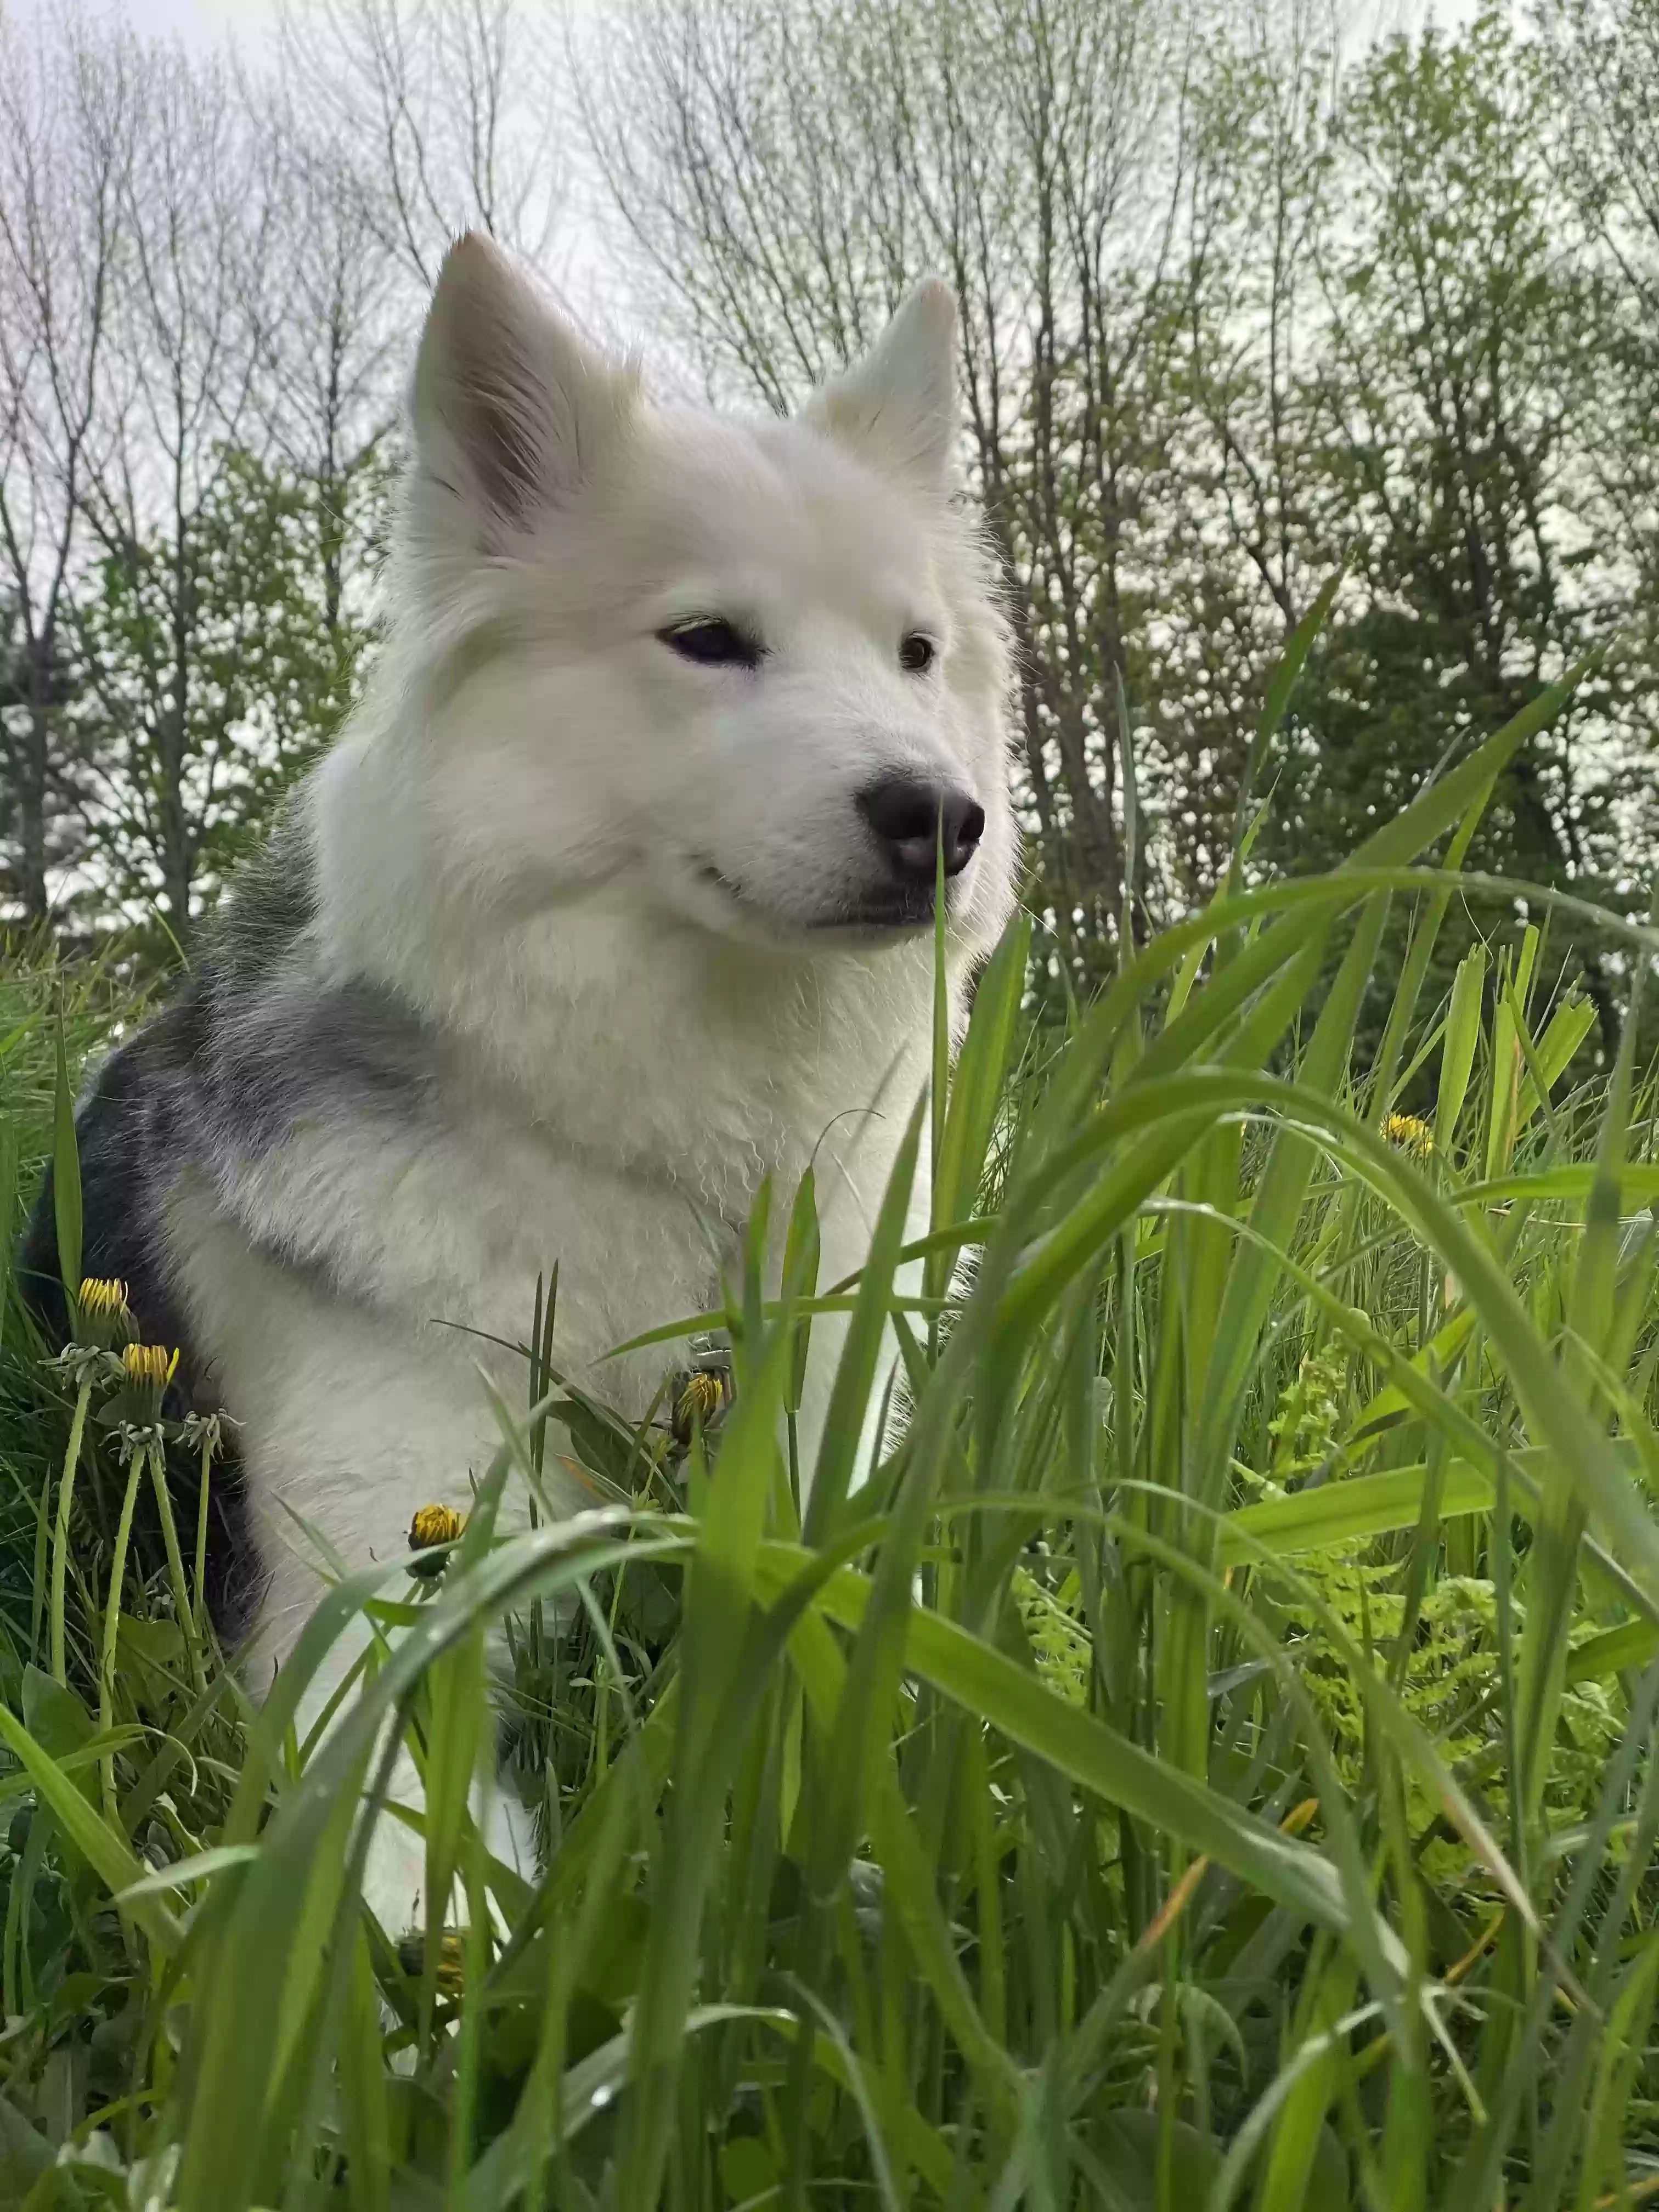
[510, 407]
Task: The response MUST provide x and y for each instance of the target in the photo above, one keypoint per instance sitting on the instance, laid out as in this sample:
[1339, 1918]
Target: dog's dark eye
[714, 644]
[916, 653]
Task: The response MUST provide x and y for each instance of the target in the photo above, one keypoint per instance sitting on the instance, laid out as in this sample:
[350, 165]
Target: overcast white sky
[207, 20]
[575, 250]
[193, 19]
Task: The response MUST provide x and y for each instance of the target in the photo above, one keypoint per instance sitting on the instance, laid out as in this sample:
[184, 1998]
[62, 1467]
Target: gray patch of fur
[258, 1044]
[271, 906]
[289, 1051]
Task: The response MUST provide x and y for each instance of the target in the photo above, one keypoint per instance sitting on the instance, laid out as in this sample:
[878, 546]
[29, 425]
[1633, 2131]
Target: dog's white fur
[519, 834]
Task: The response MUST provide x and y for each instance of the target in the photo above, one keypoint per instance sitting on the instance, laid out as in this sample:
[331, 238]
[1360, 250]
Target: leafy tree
[42, 767]
[1604, 62]
[1450, 408]
[68, 113]
[1247, 536]
[215, 670]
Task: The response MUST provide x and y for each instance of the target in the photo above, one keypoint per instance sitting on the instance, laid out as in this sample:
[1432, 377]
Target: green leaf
[25, 2154]
[801, 1252]
[981, 1071]
[1348, 1511]
[1111, 1767]
[103, 1847]
[860, 1357]
[1280, 685]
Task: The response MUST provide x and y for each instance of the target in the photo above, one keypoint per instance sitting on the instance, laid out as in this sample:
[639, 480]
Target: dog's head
[752, 670]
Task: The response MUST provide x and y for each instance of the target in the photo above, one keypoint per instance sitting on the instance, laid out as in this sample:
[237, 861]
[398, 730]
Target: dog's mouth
[881, 915]
[900, 910]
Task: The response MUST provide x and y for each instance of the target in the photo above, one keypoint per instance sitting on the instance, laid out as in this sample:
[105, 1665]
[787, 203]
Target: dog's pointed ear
[898, 407]
[511, 408]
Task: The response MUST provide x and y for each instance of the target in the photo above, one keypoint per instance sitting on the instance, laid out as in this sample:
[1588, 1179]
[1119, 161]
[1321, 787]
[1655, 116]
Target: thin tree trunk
[176, 857]
[32, 785]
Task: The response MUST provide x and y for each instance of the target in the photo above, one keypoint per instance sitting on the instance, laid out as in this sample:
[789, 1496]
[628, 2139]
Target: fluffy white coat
[622, 888]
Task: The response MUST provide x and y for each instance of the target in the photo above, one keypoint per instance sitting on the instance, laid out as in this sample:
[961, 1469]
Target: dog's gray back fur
[251, 1044]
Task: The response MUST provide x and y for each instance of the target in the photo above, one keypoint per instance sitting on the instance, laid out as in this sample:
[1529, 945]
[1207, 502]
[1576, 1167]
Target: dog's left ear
[512, 408]
[898, 407]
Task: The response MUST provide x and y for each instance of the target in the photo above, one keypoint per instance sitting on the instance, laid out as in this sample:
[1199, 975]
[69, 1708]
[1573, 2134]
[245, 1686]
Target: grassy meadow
[1210, 1765]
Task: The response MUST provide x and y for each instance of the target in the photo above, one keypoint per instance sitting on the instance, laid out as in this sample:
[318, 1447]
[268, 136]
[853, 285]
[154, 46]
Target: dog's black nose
[911, 816]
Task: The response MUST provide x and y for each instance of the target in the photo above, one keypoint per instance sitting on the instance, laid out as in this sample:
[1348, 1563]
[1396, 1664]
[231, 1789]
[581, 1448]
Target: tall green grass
[1209, 1766]
[47, 1007]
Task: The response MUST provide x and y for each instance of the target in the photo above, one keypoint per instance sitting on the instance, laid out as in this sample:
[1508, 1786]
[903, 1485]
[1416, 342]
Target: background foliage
[1249, 296]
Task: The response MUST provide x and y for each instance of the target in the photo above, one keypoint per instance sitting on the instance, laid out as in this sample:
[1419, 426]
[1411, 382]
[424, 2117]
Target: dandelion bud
[105, 1319]
[150, 1366]
[451, 1950]
[698, 1403]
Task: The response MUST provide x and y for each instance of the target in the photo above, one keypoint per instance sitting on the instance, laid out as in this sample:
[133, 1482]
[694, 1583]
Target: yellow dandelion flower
[149, 1365]
[698, 1403]
[433, 1525]
[1410, 1134]
[103, 1294]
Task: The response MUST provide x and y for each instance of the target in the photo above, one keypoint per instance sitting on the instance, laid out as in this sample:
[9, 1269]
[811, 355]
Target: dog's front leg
[394, 1877]
[352, 1422]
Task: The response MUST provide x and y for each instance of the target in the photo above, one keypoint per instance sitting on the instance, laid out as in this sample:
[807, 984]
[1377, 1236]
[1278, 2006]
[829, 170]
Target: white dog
[615, 898]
